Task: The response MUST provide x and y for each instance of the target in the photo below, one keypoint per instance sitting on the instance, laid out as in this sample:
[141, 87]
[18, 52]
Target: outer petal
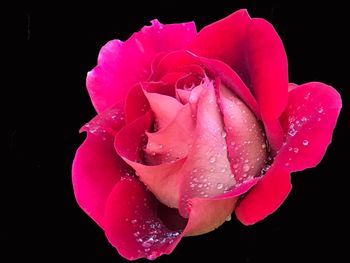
[96, 166]
[309, 122]
[123, 64]
[96, 169]
[138, 226]
[132, 224]
[265, 197]
[254, 50]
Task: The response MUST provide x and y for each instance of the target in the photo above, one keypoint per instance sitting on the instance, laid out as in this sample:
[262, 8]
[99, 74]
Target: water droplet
[134, 221]
[148, 243]
[290, 149]
[200, 185]
[151, 256]
[320, 110]
[219, 186]
[161, 146]
[223, 134]
[195, 170]
[319, 119]
[305, 142]
[287, 164]
[137, 233]
[296, 150]
[228, 218]
[223, 170]
[211, 101]
[307, 96]
[303, 119]
[246, 168]
[263, 146]
[292, 132]
[212, 159]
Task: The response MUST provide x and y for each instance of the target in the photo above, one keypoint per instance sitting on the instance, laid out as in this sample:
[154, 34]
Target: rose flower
[192, 127]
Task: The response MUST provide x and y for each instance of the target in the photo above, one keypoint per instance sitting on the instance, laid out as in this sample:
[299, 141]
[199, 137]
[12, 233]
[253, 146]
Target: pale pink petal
[245, 140]
[165, 108]
[206, 172]
[173, 141]
[162, 179]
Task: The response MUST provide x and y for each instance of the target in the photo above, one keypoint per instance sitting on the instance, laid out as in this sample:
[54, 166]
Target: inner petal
[245, 138]
[164, 107]
[206, 172]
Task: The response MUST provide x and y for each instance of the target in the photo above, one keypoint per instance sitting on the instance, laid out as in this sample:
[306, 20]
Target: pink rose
[193, 126]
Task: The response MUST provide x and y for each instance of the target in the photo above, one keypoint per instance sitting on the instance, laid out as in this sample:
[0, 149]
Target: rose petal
[132, 224]
[246, 144]
[206, 172]
[254, 50]
[309, 122]
[172, 142]
[265, 197]
[110, 121]
[216, 69]
[162, 179]
[96, 169]
[136, 104]
[224, 40]
[123, 64]
[164, 108]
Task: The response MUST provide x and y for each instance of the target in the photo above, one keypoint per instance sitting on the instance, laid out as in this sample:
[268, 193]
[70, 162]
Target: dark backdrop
[61, 44]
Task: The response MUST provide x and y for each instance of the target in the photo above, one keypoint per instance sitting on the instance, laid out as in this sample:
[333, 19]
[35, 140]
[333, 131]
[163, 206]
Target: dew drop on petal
[305, 142]
[212, 159]
[219, 186]
[246, 168]
[296, 150]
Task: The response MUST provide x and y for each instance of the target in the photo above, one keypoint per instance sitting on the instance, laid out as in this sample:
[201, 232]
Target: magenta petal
[110, 121]
[175, 61]
[123, 64]
[309, 122]
[132, 224]
[96, 169]
[224, 40]
[265, 197]
[254, 50]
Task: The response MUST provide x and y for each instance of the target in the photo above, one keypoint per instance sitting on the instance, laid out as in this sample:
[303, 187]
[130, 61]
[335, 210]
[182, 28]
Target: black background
[61, 44]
